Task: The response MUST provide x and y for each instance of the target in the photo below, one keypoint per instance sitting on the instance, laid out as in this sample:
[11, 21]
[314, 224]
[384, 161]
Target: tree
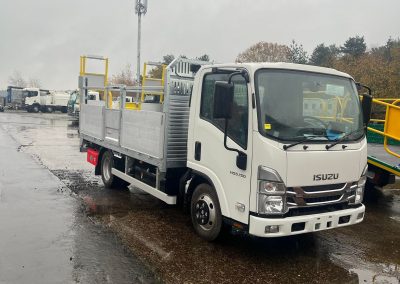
[297, 54]
[386, 51]
[167, 59]
[125, 77]
[324, 55]
[17, 80]
[354, 46]
[34, 83]
[156, 72]
[265, 52]
[204, 57]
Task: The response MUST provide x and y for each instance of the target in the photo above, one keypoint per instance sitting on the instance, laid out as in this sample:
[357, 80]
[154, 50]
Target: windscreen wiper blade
[343, 138]
[308, 138]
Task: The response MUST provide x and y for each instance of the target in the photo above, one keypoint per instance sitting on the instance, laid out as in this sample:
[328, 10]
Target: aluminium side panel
[143, 132]
[92, 121]
[112, 123]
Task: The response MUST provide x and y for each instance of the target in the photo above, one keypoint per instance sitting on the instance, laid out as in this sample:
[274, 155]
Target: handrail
[391, 123]
[83, 64]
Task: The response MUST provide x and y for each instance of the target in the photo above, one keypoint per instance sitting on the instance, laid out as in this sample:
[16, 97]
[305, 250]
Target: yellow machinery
[387, 164]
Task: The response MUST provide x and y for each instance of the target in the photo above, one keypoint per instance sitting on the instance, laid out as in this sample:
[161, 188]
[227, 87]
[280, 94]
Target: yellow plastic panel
[133, 106]
[392, 126]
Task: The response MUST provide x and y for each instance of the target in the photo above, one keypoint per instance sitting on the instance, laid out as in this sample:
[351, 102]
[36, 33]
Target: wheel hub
[205, 212]
[202, 212]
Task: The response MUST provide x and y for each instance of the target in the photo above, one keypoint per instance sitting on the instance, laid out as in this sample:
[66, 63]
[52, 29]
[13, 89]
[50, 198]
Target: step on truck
[237, 145]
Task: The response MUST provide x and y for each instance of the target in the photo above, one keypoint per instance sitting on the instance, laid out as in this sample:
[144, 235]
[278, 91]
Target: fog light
[360, 215]
[272, 229]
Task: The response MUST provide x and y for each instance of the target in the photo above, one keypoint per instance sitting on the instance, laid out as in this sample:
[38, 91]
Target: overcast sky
[43, 39]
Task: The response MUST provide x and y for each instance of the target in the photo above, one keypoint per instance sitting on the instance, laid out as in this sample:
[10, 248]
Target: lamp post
[140, 9]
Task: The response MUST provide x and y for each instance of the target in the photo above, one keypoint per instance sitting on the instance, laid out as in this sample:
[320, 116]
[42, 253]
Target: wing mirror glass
[223, 99]
[367, 108]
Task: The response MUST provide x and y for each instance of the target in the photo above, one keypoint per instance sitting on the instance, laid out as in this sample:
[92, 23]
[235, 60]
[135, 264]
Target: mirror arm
[226, 138]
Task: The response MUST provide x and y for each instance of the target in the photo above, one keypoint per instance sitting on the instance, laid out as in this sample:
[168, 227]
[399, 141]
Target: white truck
[43, 100]
[233, 144]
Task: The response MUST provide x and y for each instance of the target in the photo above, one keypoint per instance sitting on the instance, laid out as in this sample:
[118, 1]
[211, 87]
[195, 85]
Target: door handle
[197, 151]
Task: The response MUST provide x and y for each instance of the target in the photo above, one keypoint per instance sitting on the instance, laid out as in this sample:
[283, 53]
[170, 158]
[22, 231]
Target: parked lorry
[43, 100]
[234, 144]
[15, 98]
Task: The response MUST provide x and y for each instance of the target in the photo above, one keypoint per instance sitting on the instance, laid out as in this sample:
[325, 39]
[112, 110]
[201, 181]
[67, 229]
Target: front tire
[206, 212]
[109, 180]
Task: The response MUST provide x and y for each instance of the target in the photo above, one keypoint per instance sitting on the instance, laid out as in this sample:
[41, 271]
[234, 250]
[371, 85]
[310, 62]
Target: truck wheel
[35, 108]
[64, 109]
[109, 180]
[206, 212]
[49, 109]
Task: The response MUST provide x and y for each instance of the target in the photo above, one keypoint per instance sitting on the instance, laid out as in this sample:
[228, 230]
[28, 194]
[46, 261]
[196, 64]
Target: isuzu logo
[326, 177]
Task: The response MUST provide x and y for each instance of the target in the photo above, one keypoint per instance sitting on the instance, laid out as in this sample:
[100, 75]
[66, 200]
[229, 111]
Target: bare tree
[125, 76]
[265, 52]
[16, 79]
[34, 83]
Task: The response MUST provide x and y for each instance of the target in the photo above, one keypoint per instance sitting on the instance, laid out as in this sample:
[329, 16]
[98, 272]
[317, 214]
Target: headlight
[271, 192]
[270, 204]
[361, 186]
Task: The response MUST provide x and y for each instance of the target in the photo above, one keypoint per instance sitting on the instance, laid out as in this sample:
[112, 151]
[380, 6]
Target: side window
[238, 124]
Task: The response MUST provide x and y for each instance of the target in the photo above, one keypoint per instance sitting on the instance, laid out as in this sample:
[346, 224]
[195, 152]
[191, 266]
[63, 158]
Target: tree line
[378, 67]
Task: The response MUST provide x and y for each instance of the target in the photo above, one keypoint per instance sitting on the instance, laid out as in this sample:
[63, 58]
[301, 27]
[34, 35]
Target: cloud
[43, 39]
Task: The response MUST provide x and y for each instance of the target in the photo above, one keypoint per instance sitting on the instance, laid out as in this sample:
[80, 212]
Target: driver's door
[233, 184]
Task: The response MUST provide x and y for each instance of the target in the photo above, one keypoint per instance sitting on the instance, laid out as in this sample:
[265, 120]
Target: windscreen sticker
[267, 126]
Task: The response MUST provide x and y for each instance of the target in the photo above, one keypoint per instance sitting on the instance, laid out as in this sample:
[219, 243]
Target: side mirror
[223, 99]
[367, 108]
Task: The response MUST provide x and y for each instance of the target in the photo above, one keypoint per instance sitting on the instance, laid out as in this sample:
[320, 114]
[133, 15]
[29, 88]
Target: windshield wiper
[343, 138]
[308, 138]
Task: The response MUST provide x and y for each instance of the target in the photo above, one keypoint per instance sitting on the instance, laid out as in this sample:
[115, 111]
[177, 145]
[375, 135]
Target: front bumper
[312, 223]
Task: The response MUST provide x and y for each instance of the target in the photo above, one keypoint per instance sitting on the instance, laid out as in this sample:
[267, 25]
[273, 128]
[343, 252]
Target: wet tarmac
[119, 232]
[45, 233]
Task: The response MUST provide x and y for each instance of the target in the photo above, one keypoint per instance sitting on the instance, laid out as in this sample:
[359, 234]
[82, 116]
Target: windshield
[30, 94]
[293, 105]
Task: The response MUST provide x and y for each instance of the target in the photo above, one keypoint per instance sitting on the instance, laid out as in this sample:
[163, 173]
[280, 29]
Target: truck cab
[35, 99]
[278, 164]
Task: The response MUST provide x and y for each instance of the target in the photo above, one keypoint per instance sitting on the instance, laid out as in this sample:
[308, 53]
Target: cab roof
[283, 66]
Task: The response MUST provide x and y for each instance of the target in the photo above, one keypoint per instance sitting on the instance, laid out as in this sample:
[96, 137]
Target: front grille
[308, 196]
[324, 187]
[322, 199]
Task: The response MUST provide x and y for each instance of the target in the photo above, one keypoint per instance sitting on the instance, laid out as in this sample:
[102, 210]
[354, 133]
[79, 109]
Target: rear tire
[64, 109]
[35, 108]
[49, 109]
[205, 212]
[110, 180]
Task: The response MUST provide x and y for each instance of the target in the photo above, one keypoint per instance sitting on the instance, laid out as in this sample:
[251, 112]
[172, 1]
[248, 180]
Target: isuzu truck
[272, 149]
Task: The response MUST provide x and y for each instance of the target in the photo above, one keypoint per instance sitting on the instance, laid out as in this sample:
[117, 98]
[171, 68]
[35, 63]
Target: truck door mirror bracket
[241, 159]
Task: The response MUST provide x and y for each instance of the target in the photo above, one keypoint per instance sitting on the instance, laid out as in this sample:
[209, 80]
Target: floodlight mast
[140, 9]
